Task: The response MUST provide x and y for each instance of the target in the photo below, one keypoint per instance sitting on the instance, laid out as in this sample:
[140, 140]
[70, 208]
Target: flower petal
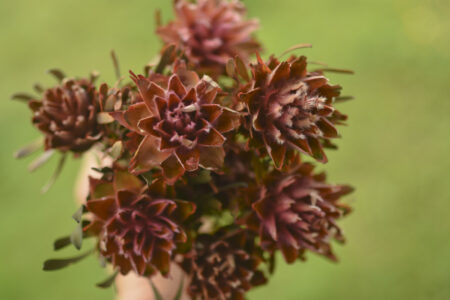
[317, 151]
[102, 208]
[189, 158]
[227, 121]
[176, 86]
[277, 153]
[183, 211]
[124, 180]
[148, 155]
[149, 96]
[211, 112]
[290, 253]
[327, 128]
[212, 138]
[148, 125]
[100, 188]
[315, 82]
[125, 198]
[212, 157]
[134, 114]
[172, 169]
[280, 73]
[298, 67]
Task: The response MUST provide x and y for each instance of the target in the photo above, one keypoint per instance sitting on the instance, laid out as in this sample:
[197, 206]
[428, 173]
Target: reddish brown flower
[291, 108]
[136, 230]
[222, 267]
[182, 125]
[210, 32]
[297, 211]
[66, 114]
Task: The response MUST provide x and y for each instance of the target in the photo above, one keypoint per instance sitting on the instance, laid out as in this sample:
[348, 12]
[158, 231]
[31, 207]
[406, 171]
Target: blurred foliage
[395, 150]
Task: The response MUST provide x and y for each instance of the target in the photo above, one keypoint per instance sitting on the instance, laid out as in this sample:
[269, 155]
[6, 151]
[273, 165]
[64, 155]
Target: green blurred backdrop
[395, 150]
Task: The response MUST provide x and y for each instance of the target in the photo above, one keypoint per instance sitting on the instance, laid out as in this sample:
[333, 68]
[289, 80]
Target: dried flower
[291, 108]
[297, 211]
[228, 143]
[222, 267]
[66, 114]
[183, 125]
[211, 32]
[136, 230]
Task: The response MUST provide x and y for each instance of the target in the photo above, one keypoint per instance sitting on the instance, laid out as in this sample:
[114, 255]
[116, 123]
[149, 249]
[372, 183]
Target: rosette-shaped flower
[67, 114]
[291, 108]
[222, 267]
[210, 32]
[298, 211]
[136, 230]
[182, 125]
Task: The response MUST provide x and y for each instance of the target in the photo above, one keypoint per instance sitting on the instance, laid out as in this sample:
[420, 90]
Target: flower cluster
[205, 156]
[210, 32]
[66, 115]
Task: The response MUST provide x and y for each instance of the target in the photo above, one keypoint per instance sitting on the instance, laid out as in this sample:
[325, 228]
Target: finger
[133, 287]
[90, 160]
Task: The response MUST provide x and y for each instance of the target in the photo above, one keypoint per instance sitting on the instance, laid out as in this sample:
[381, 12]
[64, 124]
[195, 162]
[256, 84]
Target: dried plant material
[210, 32]
[202, 157]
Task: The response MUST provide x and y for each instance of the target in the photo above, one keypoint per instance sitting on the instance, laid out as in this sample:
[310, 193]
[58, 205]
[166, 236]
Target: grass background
[395, 150]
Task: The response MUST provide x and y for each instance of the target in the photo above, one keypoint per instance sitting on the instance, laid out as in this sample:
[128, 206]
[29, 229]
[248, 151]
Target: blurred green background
[395, 150]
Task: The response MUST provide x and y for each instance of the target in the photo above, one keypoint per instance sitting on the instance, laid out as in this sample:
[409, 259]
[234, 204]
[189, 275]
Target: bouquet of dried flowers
[208, 152]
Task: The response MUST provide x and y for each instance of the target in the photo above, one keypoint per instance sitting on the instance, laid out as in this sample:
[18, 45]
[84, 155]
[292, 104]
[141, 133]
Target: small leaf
[334, 70]
[210, 81]
[103, 171]
[233, 186]
[104, 118]
[204, 176]
[180, 290]
[148, 177]
[184, 209]
[224, 219]
[272, 263]
[108, 282]
[94, 76]
[59, 75]
[104, 89]
[211, 205]
[79, 214]
[190, 108]
[166, 58]
[61, 243]
[22, 97]
[55, 175]
[231, 68]
[57, 264]
[102, 261]
[115, 64]
[318, 63]
[76, 238]
[156, 292]
[296, 47]
[158, 19]
[147, 69]
[38, 88]
[343, 99]
[116, 150]
[242, 69]
[110, 103]
[29, 149]
[41, 160]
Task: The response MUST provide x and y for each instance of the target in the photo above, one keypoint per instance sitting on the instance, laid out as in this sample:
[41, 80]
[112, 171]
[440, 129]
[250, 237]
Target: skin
[130, 287]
